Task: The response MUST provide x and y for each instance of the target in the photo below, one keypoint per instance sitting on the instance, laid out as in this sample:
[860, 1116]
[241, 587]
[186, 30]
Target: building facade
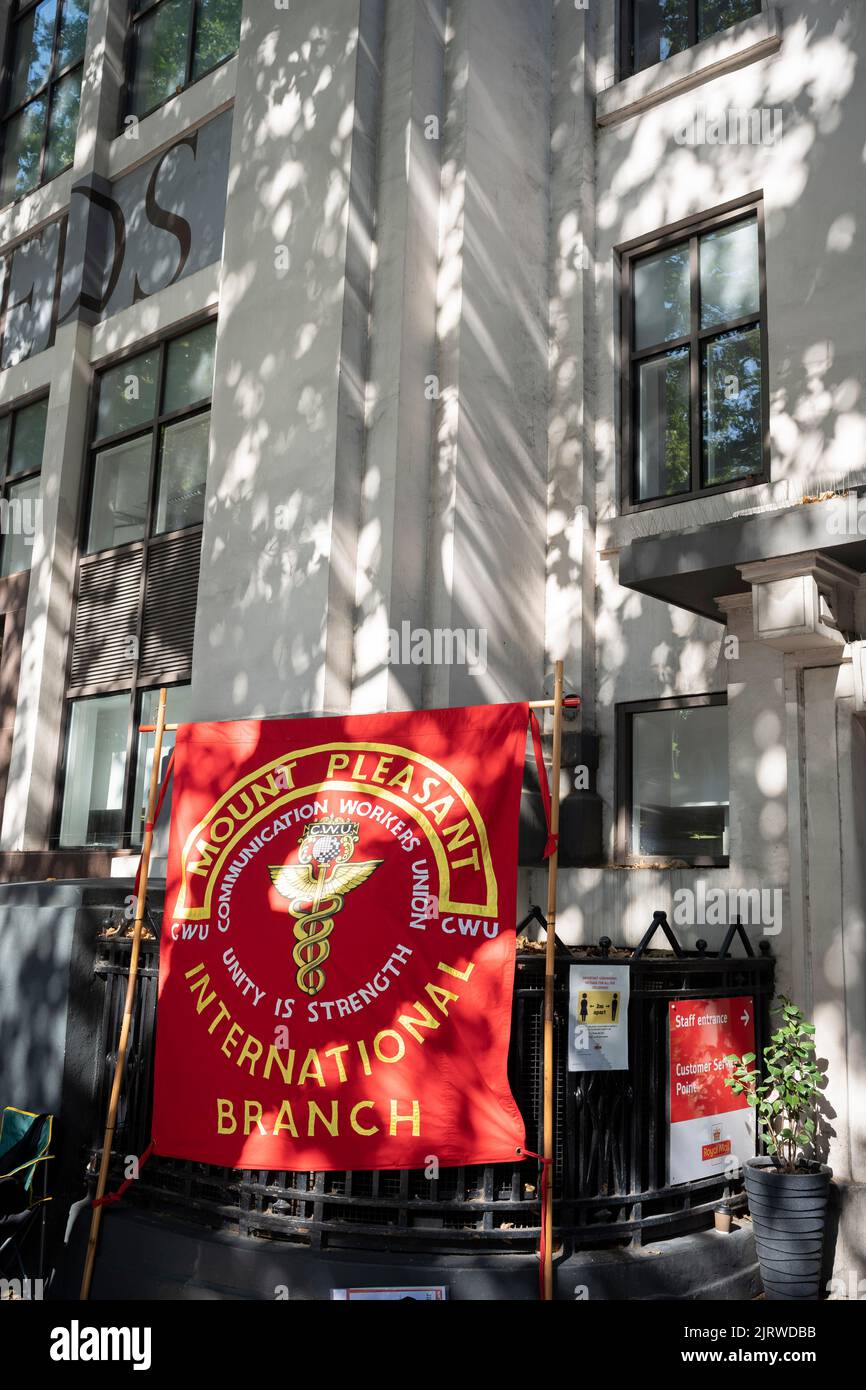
[374, 354]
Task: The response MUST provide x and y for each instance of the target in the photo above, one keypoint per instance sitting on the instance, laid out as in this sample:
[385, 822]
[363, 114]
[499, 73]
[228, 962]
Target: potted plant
[787, 1189]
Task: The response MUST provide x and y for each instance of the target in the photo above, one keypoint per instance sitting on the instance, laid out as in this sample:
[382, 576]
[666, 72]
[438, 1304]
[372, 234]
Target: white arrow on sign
[745, 1016]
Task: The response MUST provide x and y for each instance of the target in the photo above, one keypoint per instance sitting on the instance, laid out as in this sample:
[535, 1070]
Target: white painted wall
[361, 260]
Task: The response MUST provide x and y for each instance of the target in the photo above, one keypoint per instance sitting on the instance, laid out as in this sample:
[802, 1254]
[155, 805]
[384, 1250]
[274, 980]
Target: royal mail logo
[316, 888]
[717, 1150]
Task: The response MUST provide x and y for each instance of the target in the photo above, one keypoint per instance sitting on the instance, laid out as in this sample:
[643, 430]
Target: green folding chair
[25, 1141]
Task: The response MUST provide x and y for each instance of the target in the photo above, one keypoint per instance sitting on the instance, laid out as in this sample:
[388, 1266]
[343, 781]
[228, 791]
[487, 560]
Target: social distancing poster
[598, 1017]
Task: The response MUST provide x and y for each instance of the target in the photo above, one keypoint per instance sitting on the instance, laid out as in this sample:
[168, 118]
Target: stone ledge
[154, 1257]
[742, 44]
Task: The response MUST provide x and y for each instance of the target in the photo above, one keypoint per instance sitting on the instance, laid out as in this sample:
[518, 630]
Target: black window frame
[628, 255]
[55, 76]
[624, 783]
[8, 479]
[136, 694]
[627, 46]
[153, 426]
[130, 59]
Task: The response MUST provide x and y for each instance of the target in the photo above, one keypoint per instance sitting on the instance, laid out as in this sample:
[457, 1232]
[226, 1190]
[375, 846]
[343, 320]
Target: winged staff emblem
[316, 888]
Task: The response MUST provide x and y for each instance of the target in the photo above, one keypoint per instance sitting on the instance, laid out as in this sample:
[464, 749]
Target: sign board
[598, 994]
[118, 242]
[337, 955]
[711, 1130]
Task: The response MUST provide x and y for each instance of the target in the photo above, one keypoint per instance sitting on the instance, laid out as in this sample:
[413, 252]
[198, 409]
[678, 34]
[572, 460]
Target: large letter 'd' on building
[337, 958]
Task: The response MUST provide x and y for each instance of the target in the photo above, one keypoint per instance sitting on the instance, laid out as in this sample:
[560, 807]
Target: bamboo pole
[549, 983]
[129, 1003]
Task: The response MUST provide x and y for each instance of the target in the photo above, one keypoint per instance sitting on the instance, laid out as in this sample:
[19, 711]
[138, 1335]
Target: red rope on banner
[111, 1197]
[552, 840]
[169, 768]
[546, 1164]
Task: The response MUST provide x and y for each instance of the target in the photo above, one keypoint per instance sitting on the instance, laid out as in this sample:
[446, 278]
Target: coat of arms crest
[316, 887]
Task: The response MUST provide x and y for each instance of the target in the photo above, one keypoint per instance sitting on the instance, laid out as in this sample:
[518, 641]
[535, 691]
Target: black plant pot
[789, 1213]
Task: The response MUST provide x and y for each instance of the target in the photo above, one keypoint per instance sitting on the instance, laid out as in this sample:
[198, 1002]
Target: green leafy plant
[786, 1098]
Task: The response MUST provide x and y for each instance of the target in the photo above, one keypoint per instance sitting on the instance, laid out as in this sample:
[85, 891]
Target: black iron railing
[610, 1180]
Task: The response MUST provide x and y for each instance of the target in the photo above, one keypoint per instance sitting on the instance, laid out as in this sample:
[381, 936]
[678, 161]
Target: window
[175, 42]
[22, 437]
[177, 711]
[137, 581]
[44, 63]
[694, 406]
[656, 29]
[149, 455]
[673, 780]
[105, 801]
[95, 772]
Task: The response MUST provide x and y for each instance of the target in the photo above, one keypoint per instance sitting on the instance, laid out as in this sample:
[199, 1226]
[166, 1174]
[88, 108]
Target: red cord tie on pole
[546, 1165]
[552, 840]
[150, 825]
[162, 791]
[111, 1197]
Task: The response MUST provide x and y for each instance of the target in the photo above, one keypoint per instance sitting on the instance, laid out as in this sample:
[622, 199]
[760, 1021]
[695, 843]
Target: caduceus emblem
[316, 888]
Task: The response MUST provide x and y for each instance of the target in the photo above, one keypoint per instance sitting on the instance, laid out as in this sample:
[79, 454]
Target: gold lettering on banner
[251, 1116]
[334, 1065]
[431, 802]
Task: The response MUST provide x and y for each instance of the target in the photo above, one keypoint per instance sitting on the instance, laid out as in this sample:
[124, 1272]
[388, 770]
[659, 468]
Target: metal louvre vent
[171, 588]
[106, 620]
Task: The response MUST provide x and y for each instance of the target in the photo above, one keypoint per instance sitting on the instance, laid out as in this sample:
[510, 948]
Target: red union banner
[337, 957]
